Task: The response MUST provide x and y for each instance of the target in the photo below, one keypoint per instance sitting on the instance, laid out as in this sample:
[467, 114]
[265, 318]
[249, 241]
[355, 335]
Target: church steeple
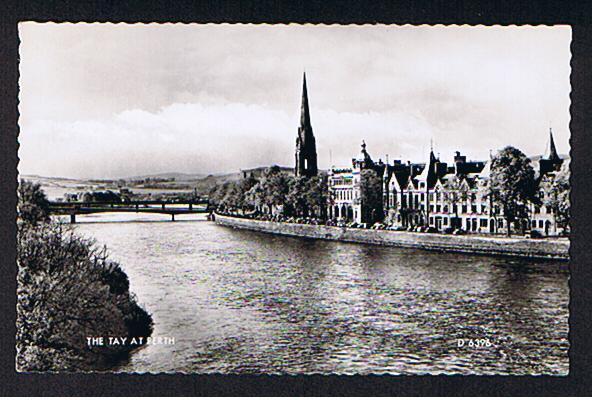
[306, 151]
[552, 150]
[304, 112]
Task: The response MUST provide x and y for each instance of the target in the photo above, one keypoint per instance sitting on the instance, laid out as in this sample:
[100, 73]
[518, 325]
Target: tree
[297, 196]
[241, 189]
[255, 196]
[371, 195]
[512, 184]
[558, 196]
[215, 195]
[317, 193]
[67, 290]
[33, 206]
[219, 196]
[276, 186]
[233, 196]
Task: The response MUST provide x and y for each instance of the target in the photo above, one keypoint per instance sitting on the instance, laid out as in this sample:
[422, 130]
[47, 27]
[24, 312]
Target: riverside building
[437, 195]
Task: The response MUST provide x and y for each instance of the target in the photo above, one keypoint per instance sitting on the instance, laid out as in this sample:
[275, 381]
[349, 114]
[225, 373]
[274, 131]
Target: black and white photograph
[293, 199]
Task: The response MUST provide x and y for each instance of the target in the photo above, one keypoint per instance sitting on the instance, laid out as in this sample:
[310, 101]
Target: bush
[68, 290]
[33, 206]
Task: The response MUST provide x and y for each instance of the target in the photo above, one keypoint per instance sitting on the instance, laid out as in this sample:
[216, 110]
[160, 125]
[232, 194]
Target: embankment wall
[553, 248]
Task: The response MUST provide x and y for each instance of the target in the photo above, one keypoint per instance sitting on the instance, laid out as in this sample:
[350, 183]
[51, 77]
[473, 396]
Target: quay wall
[551, 248]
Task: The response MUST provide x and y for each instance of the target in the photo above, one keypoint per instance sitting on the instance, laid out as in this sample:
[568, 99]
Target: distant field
[57, 187]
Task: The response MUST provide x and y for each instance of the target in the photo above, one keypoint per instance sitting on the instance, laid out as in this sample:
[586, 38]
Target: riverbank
[556, 249]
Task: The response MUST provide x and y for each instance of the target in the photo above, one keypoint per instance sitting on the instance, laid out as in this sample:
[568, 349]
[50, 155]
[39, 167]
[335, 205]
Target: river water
[244, 302]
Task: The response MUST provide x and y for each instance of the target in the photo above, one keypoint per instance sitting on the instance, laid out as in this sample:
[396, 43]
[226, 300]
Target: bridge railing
[87, 204]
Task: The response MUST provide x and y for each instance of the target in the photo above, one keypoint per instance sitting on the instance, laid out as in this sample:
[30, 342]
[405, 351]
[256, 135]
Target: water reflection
[240, 301]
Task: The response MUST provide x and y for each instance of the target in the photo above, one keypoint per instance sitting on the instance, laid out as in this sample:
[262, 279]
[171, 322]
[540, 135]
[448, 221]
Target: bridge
[170, 207]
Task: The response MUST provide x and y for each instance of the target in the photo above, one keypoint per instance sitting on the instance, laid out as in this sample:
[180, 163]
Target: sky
[120, 100]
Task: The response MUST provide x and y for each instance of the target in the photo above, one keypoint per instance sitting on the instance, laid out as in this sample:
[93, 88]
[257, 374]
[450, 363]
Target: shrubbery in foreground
[68, 290]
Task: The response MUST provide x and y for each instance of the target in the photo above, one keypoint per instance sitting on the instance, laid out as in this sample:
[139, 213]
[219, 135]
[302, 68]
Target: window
[455, 208]
[483, 208]
[483, 223]
[431, 208]
[445, 209]
[422, 197]
[500, 223]
[445, 221]
[432, 196]
[537, 209]
[548, 210]
[473, 208]
[464, 208]
[533, 223]
[540, 223]
[438, 208]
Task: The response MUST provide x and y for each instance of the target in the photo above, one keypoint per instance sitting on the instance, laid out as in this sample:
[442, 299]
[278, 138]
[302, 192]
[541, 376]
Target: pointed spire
[304, 112]
[432, 156]
[306, 152]
[552, 150]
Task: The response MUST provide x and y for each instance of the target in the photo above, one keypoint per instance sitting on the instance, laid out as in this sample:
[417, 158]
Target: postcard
[293, 199]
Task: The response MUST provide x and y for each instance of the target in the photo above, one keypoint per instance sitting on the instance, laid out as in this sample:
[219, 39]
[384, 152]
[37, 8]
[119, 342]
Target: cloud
[119, 100]
[204, 138]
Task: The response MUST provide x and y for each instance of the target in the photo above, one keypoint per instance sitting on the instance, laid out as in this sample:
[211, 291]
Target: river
[245, 302]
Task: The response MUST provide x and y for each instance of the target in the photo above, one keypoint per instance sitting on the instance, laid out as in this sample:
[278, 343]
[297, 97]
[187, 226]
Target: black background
[576, 14]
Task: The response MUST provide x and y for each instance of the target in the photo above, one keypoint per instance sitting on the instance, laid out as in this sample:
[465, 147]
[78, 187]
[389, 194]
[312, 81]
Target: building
[436, 196]
[549, 165]
[306, 150]
[344, 187]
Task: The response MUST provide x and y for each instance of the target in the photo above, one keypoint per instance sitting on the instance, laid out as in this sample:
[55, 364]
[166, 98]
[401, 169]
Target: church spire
[306, 152]
[552, 150]
[304, 112]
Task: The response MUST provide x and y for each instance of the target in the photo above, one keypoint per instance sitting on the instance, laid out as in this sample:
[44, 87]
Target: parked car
[534, 234]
